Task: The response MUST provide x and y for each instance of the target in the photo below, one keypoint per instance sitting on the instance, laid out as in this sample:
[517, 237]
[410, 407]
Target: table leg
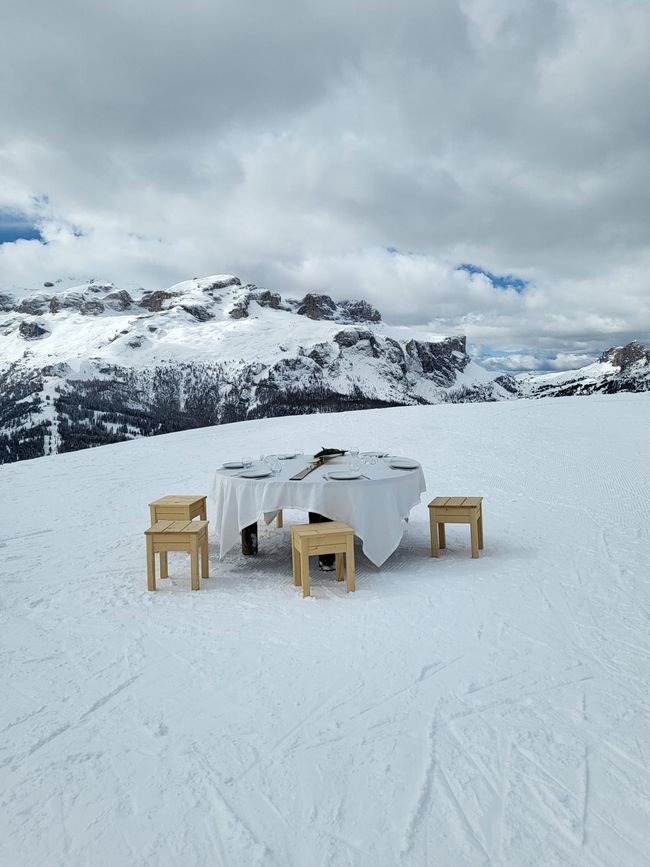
[249, 540]
[326, 562]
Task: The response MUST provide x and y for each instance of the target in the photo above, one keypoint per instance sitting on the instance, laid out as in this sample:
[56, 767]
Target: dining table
[373, 494]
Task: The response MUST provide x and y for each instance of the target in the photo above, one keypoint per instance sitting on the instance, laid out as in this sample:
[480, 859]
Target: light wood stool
[176, 508]
[330, 537]
[456, 510]
[189, 536]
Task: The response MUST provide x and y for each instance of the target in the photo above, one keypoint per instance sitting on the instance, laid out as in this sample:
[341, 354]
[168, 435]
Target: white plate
[255, 474]
[343, 475]
[286, 457]
[233, 465]
[402, 464]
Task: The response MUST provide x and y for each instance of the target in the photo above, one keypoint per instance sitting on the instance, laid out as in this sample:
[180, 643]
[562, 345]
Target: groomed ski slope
[452, 712]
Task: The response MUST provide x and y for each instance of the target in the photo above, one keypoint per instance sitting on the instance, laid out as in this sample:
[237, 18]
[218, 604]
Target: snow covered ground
[452, 712]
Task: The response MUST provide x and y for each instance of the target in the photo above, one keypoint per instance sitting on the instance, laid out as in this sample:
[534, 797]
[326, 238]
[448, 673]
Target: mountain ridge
[95, 364]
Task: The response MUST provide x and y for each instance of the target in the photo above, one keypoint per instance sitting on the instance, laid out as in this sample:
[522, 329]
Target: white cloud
[293, 143]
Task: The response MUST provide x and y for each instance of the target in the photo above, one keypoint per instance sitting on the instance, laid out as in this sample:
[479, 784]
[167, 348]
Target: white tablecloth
[375, 507]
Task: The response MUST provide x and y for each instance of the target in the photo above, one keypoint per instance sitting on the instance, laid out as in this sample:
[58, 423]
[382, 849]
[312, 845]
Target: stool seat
[188, 536]
[455, 510]
[178, 508]
[328, 537]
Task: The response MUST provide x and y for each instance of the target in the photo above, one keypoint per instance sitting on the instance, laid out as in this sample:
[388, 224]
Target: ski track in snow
[451, 712]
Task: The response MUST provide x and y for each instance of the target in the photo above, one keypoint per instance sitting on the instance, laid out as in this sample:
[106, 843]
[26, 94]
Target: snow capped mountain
[622, 368]
[92, 364]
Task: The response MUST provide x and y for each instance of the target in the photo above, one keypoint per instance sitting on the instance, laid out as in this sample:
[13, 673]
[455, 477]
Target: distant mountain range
[92, 365]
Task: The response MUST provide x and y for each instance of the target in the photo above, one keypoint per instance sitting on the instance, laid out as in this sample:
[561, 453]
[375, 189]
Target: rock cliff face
[96, 365]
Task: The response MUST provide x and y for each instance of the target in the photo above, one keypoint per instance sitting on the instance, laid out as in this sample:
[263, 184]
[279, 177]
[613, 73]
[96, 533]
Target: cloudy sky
[364, 149]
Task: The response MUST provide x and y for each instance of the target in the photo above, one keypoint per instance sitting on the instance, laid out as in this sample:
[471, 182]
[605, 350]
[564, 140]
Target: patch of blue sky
[15, 226]
[500, 281]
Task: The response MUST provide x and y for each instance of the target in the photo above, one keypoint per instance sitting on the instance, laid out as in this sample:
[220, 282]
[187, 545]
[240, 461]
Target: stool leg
[349, 565]
[194, 561]
[205, 566]
[441, 535]
[304, 572]
[278, 520]
[295, 565]
[480, 529]
[151, 565]
[433, 529]
[164, 570]
[339, 567]
[473, 529]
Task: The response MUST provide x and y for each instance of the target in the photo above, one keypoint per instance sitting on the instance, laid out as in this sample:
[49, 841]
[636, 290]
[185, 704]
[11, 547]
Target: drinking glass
[247, 461]
[276, 466]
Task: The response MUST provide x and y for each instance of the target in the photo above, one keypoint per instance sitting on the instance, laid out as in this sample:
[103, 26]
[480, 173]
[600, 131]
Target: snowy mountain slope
[450, 712]
[622, 368]
[93, 365]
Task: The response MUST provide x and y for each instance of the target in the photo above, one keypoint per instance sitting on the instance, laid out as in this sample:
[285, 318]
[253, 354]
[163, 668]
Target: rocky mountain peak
[625, 356]
[318, 306]
[314, 306]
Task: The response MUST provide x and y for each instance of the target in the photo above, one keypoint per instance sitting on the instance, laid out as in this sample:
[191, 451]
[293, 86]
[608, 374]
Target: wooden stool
[330, 537]
[176, 508]
[455, 510]
[189, 536]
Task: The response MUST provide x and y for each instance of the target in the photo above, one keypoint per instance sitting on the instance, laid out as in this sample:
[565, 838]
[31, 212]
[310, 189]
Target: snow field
[451, 712]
